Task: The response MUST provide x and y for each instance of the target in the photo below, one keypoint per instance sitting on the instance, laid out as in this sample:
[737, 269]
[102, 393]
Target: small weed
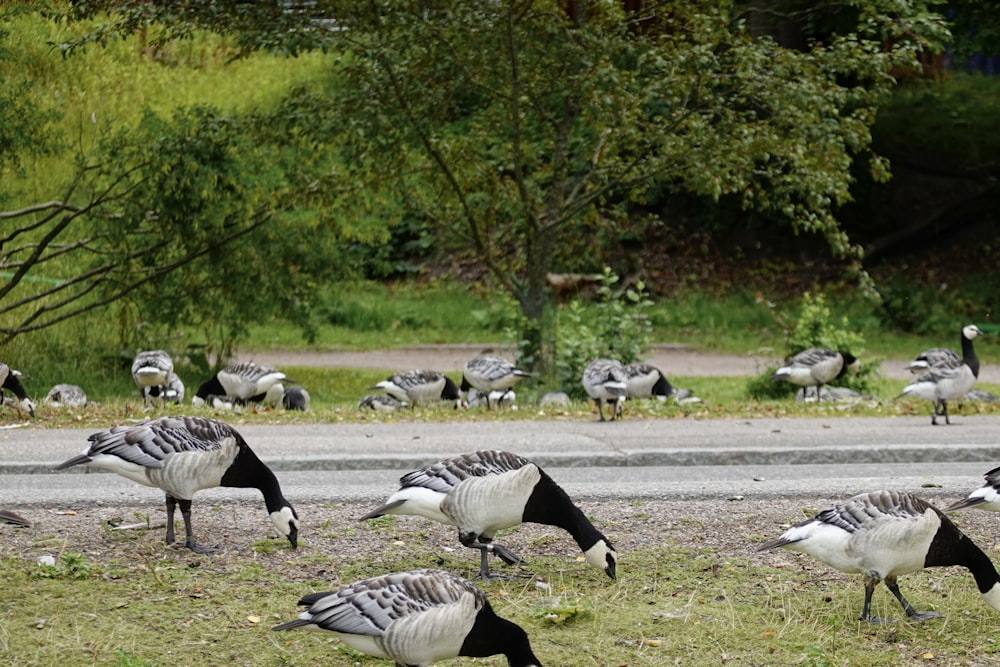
[561, 610]
[70, 565]
[126, 659]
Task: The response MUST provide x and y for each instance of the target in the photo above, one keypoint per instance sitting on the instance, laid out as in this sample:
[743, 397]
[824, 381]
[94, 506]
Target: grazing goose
[10, 380]
[486, 491]
[943, 356]
[884, 534]
[381, 403]
[605, 381]
[416, 618]
[295, 398]
[419, 386]
[946, 380]
[986, 497]
[182, 455]
[814, 368]
[6, 516]
[497, 398]
[491, 376]
[65, 396]
[645, 380]
[172, 391]
[244, 380]
[151, 370]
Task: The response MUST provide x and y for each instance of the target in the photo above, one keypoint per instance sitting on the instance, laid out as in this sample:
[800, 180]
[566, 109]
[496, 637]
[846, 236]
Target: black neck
[14, 385]
[969, 355]
[491, 635]
[951, 546]
[247, 471]
[550, 505]
[209, 387]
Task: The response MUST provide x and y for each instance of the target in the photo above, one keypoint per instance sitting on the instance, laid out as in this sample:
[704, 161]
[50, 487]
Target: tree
[522, 129]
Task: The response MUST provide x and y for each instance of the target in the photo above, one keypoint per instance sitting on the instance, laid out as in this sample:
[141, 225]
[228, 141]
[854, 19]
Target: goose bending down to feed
[815, 367]
[645, 380]
[487, 491]
[884, 534]
[416, 618]
[172, 391]
[247, 381]
[11, 381]
[151, 371]
[492, 376]
[986, 497]
[605, 382]
[182, 455]
[418, 387]
[295, 398]
[381, 403]
[946, 379]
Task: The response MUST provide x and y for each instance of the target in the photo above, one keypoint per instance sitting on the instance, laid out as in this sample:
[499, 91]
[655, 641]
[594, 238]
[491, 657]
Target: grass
[676, 601]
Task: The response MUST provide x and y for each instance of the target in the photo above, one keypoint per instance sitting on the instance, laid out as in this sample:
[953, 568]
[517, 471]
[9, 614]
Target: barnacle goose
[986, 497]
[884, 534]
[815, 367]
[182, 455]
[10, 380]
[244, 380]
[492, 376]
[416, 618]
[172, 391]
[65, 395]
[382, 403]
[947, 379]
[295, 398]
[943, 356]
[420, 386]
[605, 381]
[645, 380]
[486, 491]
[496, 398]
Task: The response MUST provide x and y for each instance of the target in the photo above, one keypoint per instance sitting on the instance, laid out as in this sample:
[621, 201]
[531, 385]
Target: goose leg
[486, 547]
[188, 532]
[171, 506]
[944, 411]
[871, 581]
[600, 408]
[891, 584]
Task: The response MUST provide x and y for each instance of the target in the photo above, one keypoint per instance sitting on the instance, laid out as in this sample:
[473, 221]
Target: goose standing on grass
[244, 380]
[416, 618]
[986, 497]
[884, 534]
[10, 380]
[65, 396]
[605, 382]
[151, 370]
[172, 391]
[645, 380]
[182, 455]
[815, 367]
[492, 376]
[418, 387]
[946, 380]
[487, 491]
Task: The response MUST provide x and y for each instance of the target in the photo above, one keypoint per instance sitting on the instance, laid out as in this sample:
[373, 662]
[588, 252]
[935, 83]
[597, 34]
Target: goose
[815, 367]
[491, 376]
[171, 391]
[182, 455]
[943, 356]
[486, 491]
[645, 380]
[986, 497]
[605, 381]
[7, 516]
[498, 398]
[382, 403]
[419, 386]
[416, 618]
[150, 368]
[65, 395]
[884, 534]
[295, 398]
[244, 380]
[10, 380]
[947, 380]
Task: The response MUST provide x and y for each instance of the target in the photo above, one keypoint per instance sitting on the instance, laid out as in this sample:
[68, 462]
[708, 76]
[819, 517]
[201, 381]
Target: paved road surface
[685, 458]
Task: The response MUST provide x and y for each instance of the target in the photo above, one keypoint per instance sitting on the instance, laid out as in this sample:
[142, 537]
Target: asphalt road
[698, 459]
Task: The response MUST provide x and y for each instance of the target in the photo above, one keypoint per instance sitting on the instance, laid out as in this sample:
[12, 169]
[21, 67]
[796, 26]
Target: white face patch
[597, 555]
[284, 520]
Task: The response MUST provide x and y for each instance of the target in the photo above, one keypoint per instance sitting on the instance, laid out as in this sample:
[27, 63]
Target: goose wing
[150, 443]
[445, 475]
[935, 357]
[369, 607]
